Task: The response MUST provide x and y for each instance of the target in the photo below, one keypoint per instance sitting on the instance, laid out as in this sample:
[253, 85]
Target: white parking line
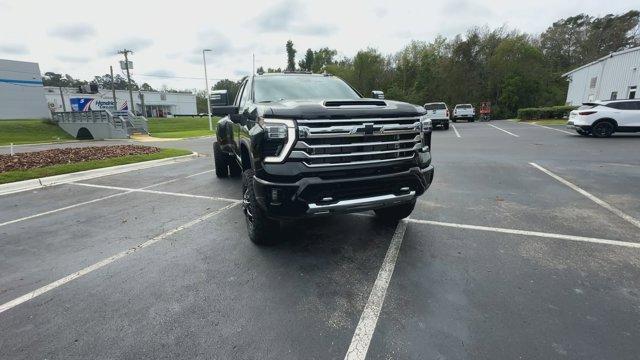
[529, 233]
[33, 294]
[455, 130]
[128, 191]
[510, 133]
[550, 128]
[591, 197]
[369, 318]
[156, 192]
[200, 173]
[62, 208]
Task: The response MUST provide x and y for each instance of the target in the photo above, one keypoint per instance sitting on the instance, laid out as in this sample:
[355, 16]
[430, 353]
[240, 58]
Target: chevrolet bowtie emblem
[368, 128]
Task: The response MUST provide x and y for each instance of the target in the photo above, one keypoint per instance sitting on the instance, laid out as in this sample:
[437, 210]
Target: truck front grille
[336, 142]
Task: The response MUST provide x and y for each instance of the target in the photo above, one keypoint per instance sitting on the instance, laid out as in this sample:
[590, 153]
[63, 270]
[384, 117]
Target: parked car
[438, 112]
[310, 145]
[464, 111]
[603, 118]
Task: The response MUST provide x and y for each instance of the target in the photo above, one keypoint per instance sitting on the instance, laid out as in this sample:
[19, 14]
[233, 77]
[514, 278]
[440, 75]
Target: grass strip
[30, 132]
[35, 173]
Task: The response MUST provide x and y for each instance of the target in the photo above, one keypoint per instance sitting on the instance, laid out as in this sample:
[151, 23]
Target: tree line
[120, 82]
[509, 68]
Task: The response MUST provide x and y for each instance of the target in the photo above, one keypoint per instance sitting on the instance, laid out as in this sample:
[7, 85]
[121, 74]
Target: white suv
[438, 112]
[603, 118]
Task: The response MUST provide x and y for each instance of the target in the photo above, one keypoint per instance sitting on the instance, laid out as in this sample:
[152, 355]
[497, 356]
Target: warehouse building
[613, 77]
[156, 104]
[21, 91]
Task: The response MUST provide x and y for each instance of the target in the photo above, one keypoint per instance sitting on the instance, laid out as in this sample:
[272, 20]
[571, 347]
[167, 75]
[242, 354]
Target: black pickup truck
[311, 145]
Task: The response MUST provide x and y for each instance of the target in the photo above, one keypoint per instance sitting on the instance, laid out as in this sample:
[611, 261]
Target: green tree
[147, 87]
[291, 56]
[231, 86]
[518, 75]
[322, 58]
[306, 64]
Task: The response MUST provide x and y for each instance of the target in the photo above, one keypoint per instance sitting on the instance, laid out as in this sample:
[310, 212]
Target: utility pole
[206, 82]
[126, 53]
[64, 106]
[142, 110]
[113, 90]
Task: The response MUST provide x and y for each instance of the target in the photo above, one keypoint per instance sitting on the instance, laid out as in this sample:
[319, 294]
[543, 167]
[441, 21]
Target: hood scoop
[365, 103]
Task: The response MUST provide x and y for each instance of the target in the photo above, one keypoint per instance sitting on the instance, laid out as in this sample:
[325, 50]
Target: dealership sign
[88, 104]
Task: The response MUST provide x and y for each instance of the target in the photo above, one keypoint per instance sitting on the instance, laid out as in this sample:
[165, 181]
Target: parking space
[499, 260]
[467, 294]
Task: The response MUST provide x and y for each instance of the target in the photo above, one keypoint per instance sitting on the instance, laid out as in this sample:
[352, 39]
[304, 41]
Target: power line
[178, 77]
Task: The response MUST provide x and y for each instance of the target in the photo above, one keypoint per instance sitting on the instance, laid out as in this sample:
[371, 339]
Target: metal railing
[124, 120]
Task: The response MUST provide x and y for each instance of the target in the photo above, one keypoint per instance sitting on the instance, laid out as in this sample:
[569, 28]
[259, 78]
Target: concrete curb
[62, 142]
[32, 184]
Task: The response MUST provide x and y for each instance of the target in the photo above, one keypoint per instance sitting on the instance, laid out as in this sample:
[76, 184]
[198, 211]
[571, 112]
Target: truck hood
[340, 109]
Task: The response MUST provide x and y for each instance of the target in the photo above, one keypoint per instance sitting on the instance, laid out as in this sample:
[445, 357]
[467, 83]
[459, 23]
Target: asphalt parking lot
[526, 246]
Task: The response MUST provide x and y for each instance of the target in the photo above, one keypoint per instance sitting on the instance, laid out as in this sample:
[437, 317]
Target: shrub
[552, 112]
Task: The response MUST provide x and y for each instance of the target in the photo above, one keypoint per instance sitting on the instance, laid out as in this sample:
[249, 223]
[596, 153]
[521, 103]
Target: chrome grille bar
[341, 142]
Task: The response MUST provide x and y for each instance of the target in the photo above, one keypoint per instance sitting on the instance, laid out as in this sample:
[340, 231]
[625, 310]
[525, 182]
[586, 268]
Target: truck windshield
[301, 87]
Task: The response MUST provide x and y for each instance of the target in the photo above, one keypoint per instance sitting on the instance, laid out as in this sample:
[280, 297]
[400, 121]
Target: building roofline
[602, 59]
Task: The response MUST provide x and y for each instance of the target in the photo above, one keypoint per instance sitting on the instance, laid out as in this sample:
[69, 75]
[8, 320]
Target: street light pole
[206, 82]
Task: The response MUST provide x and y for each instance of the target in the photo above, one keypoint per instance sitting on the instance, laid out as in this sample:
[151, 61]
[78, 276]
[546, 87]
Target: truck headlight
[425, 122]
[280, 134]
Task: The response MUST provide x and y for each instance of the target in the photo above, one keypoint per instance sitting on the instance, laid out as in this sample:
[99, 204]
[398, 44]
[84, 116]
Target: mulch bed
[37, 159]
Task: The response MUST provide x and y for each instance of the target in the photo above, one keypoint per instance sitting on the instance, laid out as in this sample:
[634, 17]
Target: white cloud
[73, 32]
[14, 49]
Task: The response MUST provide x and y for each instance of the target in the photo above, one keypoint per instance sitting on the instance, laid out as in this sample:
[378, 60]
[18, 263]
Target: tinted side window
[625, 105]
[236, 101]
[246, 94]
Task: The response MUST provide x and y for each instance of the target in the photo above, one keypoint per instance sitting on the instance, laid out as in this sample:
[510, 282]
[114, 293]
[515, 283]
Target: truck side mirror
[377, 94]
[224, 110]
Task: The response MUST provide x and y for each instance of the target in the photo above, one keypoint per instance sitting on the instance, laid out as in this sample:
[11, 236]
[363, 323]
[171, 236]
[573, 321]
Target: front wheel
[262, 230]
[446, 126]
[396, 212]
[221, 161]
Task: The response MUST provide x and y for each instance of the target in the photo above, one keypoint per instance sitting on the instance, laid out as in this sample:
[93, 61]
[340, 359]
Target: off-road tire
[234, 168]
[603, 129]
[261, 229]
[397, 212]
[221, 161]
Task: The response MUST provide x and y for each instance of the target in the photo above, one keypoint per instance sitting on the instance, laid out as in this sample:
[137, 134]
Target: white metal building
[21, 91]
[615, 76]
[156, 104]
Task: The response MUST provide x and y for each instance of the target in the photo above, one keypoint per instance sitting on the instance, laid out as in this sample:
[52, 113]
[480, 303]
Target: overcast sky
[81, 37]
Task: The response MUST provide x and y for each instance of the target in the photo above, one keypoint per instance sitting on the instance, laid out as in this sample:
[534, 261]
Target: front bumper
[439, 122]
[314, 196]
